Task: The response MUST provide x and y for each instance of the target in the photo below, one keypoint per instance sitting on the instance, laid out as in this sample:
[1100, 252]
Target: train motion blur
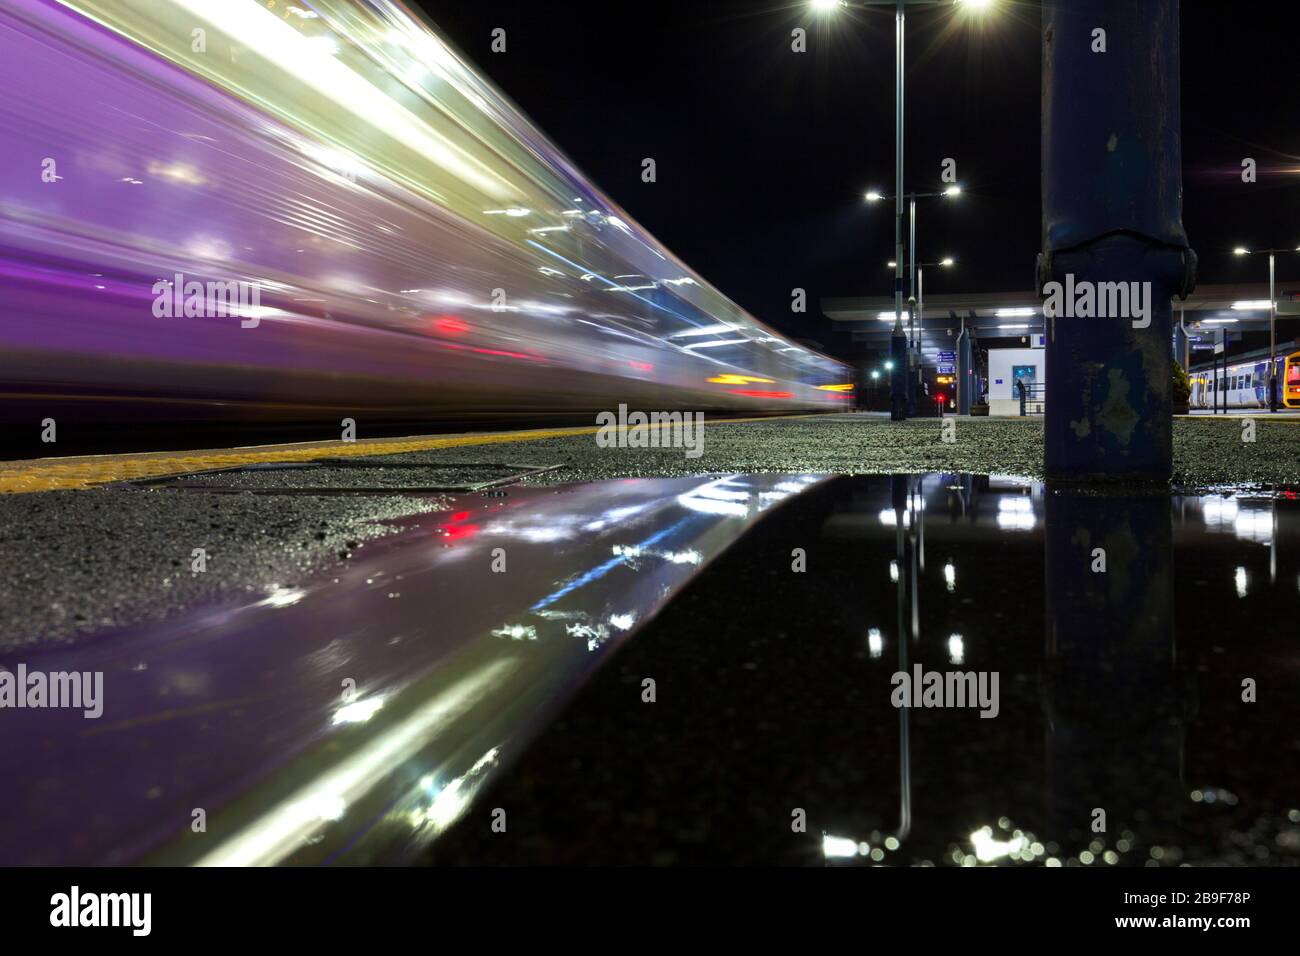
[413, 244]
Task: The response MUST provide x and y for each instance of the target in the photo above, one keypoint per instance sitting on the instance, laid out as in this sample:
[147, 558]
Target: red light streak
[450, 325]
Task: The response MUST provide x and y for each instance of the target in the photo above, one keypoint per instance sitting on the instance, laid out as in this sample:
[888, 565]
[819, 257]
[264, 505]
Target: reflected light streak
[358, 712]
[602, 569]
[988, 849]
[282, 597]
[834, 847]
[1016, 513]
[889, 518]
[450, 802]
[286, 827]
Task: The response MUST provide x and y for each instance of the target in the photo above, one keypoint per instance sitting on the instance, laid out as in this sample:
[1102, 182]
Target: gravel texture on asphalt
[1207, 453]
[76, 563]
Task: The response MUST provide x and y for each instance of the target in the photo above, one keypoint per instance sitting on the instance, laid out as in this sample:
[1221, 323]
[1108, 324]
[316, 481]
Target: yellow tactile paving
[51, 474]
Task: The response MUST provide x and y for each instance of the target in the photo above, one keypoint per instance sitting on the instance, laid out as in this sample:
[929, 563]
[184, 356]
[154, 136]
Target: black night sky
[764, 154]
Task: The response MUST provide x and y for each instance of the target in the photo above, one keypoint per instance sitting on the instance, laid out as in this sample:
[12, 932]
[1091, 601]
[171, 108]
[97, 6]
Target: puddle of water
[357, 718]
[351, 718]
[1121, 735]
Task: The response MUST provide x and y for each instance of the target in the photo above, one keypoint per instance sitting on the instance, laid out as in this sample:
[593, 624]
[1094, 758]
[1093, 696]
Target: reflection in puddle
[352, 718]
[1143, 647]
[1147, 675]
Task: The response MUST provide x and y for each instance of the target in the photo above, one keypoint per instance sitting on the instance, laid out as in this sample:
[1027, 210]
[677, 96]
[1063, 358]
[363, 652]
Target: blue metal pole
[1112, 213]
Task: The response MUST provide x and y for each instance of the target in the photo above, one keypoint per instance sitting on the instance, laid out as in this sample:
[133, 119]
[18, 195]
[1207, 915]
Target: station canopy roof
[1002, 318]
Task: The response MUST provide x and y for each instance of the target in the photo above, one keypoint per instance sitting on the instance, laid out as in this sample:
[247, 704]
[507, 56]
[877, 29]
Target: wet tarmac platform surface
[365, 675]
[78, 563]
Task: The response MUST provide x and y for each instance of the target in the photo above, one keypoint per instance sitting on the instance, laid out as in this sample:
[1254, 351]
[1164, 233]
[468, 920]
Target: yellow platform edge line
[76, 473]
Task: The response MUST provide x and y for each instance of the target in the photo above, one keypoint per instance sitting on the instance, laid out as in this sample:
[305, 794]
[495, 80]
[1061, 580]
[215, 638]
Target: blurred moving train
[261, 211]
[1244, 382]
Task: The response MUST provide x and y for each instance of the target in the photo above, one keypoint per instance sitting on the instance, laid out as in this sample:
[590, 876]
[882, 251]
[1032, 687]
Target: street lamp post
[916, 318]
[912, 362]
[898, 338]
[1272, 318]
[913, 296]
[897, 343]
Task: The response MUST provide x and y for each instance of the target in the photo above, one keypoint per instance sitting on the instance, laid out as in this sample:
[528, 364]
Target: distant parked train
[1245, 384]
[251, 210]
